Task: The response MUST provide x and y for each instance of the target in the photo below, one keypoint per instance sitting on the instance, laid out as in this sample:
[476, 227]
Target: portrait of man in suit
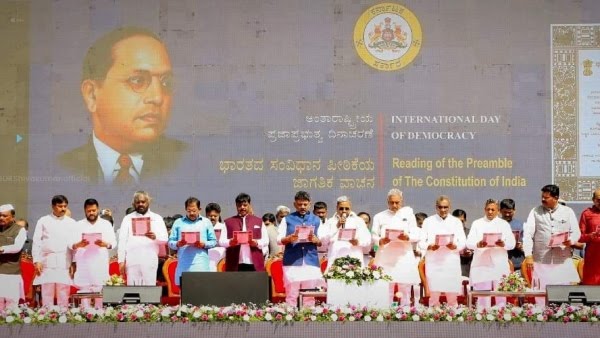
[126, 85]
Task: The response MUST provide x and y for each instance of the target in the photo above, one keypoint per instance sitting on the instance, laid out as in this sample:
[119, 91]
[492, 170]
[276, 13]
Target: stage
[279, 320]
[304, 329]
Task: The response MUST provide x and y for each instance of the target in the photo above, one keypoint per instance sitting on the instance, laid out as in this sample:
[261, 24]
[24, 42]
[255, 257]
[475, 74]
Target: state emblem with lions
[387, 36]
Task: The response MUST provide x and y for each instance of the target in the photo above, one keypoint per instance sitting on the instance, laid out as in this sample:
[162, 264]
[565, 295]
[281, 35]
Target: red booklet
[242, 237]
[190, 236]
[140, 226]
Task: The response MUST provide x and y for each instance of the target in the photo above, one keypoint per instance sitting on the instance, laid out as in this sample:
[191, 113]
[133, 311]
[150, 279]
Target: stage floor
[304, 330]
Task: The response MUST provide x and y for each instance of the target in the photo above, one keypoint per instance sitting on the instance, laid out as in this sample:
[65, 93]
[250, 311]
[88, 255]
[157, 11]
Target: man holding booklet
[490, 238]
[299, 232]
[192, 236]
[244, 237]
[395, 229]
[345, 233]
[142, 233]
[93, 238]
[548, 234]
[443, 237]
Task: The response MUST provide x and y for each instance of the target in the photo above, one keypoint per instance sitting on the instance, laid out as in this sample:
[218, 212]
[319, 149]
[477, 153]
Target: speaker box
[224, 288]
[116, 295]
[573, 294]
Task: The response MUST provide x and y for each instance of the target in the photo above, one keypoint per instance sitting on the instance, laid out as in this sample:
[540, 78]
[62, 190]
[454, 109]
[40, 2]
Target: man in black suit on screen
[127, 88]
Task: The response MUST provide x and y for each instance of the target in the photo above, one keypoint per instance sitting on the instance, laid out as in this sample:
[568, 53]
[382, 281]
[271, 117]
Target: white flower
[139, 314]
[490, 317]
[478, 316]
[350, 274]
[166, 312]
[351, 318]
[313, 318]
[40, 317]
[398, 315]
[289, 317]
[75, 310]
[16, 311]
[347, 310]
[246, 318]
[376, 274]
[379, 318]
[559, 313]
[540, 318]
[62, 319]
[594, 319]
[334, 317]
[27, 320]
[507, 317]
[368, 318]
[523, 319]
[78, 317]
[416, 318]
[10, 319]
[184, 308]
[460, 319]
[268, 316]
[449, 318]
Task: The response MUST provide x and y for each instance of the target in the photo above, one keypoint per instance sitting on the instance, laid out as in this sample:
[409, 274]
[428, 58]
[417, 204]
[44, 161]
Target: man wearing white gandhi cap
[12, 238]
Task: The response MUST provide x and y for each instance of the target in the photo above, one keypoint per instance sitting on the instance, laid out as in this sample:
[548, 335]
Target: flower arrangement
[281, 313]
[115, 280]
[350, 270]
[512, 283]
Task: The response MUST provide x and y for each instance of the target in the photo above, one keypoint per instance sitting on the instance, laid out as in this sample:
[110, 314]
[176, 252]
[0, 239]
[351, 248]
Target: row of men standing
[56, 238]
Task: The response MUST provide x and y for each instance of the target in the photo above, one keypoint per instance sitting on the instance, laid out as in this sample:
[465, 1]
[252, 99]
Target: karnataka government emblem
[387, 36]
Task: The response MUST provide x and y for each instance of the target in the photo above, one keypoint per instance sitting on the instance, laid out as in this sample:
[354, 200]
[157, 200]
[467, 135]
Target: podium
[372, 295]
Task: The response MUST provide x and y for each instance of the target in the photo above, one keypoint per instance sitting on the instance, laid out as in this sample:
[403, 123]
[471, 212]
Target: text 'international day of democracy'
[440, 120]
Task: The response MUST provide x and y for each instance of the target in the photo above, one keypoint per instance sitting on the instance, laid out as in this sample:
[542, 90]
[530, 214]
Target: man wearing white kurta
[395, 254]
[442, 262]
[12, 239]
[52, 253]
[345, 218]
[138, 254]
[490, 260]
[551, 265]
[92, 258]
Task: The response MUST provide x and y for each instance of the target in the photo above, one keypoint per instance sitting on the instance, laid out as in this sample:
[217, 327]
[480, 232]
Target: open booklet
[242, 237]
[557, 239]
[190, 236]
[140, 226]
[491, 238]
[346, 234]
[303, 232]
[444, 239]
[91, 237]
[393, 234]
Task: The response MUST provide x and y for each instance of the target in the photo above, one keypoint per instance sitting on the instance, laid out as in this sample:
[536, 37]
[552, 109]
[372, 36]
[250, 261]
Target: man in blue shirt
[300, 258]
[192, 256]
